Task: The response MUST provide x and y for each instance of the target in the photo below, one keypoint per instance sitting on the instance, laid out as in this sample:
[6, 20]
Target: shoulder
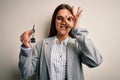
[72, 40]
[48, 38]
[45, 40]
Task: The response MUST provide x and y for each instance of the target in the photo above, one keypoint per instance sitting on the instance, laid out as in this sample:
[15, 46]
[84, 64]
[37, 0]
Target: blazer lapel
[47, 48]
[70, 56]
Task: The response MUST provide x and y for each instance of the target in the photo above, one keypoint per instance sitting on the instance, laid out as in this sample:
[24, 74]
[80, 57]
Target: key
[33, 32]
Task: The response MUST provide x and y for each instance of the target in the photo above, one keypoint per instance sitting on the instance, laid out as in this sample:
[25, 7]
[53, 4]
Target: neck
[61, 37]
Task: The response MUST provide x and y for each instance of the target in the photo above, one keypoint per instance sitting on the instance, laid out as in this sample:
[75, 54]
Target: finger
[79, 14]
[26, 44]
[79, 11]
[26, 33]
[29, 32]
[25, 41]
[68, 20]
[70, 24]
[73, 11]
[24, 37]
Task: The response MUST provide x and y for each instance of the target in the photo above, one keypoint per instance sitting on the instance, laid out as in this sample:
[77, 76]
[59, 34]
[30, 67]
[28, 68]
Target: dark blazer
[79, 50]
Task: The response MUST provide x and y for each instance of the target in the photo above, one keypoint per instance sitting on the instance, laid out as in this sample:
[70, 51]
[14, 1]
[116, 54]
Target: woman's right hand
[25, 38]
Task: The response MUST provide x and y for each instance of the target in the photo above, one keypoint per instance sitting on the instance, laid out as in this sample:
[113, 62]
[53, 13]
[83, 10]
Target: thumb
[29, 33]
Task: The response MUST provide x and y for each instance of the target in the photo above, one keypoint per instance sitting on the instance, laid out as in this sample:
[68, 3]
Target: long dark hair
[53, 30]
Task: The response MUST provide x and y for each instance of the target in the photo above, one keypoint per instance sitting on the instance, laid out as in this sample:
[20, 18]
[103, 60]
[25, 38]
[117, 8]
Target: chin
[63, 34]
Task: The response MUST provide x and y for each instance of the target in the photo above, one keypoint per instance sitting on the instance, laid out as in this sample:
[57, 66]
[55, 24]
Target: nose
[64, 21]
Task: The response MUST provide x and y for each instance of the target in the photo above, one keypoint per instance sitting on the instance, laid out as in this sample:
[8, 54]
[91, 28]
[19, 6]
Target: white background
[100, 17]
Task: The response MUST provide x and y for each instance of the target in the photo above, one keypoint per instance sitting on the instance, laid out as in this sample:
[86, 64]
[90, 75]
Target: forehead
[64, 12]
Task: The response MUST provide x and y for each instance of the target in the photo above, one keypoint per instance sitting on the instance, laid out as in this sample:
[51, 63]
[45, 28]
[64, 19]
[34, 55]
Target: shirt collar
[63, 42]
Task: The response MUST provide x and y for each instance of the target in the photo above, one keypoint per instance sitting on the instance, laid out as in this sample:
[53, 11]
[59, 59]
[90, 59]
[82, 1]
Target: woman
[60, 56]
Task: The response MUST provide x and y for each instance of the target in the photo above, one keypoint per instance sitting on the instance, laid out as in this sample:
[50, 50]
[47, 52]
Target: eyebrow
[61, 16]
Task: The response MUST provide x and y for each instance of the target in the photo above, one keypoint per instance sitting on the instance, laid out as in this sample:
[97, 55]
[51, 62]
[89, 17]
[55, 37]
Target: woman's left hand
[76, 17]
[74, 20]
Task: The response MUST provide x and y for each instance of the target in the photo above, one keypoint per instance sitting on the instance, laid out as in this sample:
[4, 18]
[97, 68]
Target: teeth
[64, 27]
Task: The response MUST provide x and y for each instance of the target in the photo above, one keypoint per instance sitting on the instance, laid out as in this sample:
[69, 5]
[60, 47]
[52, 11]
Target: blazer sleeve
[89, 54]
[28, 59]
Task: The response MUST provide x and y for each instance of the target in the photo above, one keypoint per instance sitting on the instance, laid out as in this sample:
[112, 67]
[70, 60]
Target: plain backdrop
[100, 17]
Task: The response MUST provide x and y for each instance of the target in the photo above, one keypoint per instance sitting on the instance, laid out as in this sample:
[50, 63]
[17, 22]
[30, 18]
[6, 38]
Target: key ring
[33, 33]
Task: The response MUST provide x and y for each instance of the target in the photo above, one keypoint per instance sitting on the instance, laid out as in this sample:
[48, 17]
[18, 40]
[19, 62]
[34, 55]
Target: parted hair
[53, 31]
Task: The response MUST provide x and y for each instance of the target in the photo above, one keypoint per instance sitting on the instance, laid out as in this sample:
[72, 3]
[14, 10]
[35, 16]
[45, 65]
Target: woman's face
[63, 19]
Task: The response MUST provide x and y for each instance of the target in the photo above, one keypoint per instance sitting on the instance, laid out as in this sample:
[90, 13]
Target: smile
[63, 27]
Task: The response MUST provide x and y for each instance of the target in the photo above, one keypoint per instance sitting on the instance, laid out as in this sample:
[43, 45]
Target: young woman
[60, 56]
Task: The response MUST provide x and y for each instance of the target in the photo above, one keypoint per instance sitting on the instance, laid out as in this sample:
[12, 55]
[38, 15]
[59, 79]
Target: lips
[64, 27]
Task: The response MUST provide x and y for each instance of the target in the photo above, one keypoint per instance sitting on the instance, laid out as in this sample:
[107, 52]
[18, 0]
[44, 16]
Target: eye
[59, 18]
[69, 19]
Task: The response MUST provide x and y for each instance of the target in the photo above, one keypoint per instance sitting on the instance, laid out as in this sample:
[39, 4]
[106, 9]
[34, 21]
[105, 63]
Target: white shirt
[58, 59]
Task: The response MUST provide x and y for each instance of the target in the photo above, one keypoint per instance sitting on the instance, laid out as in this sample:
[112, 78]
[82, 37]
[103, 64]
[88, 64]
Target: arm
[28, 59]
[89, 54]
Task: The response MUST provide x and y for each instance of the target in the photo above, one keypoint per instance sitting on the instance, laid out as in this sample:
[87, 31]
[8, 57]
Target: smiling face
[61, 22]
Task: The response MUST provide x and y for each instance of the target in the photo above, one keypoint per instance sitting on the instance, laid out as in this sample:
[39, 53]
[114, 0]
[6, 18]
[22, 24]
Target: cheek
[69, 29]
[57, 28]
[57, 25]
